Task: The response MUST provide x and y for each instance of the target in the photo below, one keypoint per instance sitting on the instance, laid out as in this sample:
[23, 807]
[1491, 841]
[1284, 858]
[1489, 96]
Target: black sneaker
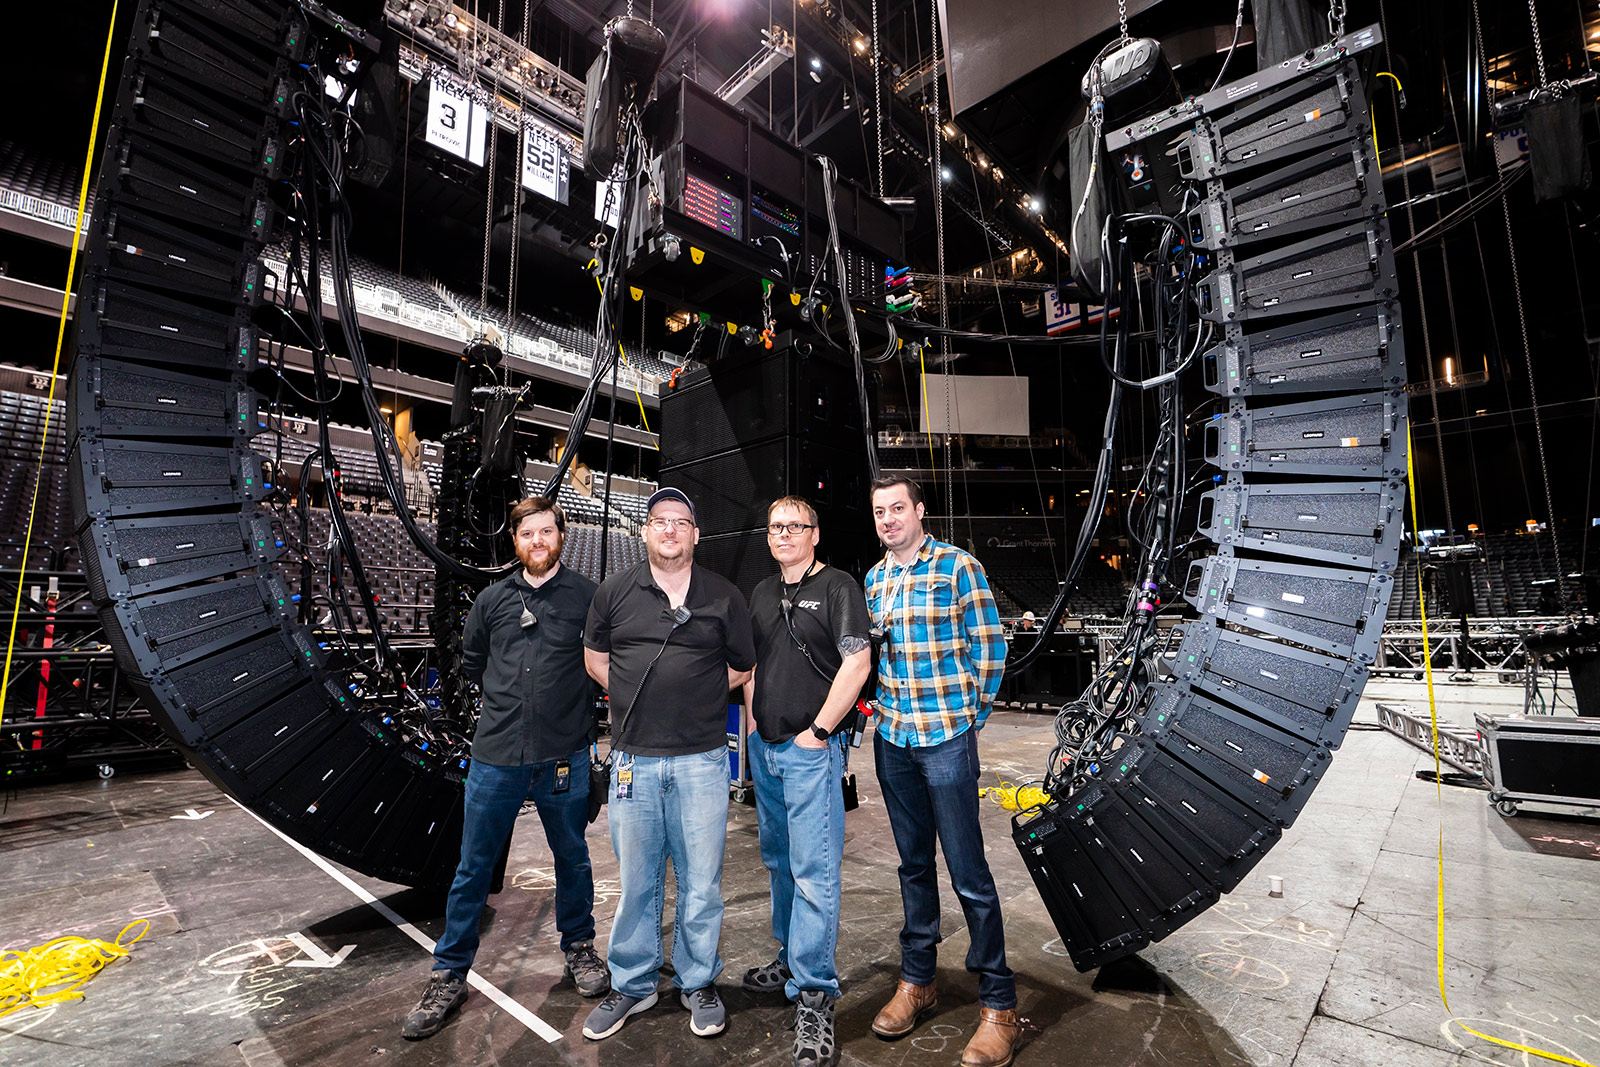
[813, 1030]
[586, 970]
[707, 1016]
[444, 995]
[768, 979]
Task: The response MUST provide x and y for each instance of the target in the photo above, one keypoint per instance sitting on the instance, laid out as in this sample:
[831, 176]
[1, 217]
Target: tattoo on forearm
[849, 646]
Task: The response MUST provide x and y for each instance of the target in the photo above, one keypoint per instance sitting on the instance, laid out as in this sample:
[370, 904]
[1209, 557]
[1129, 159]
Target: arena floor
[246, 960]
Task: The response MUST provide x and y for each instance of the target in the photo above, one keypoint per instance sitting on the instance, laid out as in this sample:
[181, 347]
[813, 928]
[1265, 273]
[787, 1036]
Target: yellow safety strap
[624, 356]
[61, 336]
[922, 361]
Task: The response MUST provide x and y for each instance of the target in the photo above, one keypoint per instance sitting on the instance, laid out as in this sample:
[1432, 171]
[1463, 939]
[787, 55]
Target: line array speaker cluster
[1306, 519]
[168, 493]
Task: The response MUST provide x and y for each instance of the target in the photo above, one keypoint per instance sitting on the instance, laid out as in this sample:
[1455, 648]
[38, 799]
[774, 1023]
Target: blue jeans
[494, 796]
[678, 810]
[800, 808]
[932, 791]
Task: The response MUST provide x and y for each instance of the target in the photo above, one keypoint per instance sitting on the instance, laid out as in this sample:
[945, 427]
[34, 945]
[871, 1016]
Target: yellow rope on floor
[54, 972]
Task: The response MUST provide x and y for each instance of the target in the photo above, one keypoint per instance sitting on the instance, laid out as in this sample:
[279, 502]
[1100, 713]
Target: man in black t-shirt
[667, 639]
[811, 629]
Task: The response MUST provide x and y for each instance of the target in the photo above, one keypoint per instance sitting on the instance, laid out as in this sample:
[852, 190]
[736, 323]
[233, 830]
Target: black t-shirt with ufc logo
[826, 608]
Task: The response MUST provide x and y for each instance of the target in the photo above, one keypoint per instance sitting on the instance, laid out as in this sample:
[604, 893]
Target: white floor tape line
[474, 979]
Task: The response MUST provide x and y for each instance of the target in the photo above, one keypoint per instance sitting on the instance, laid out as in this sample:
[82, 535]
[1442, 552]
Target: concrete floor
[1338, 971]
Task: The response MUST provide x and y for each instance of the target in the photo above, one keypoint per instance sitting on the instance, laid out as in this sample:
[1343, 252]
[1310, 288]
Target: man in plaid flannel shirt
[939, 668]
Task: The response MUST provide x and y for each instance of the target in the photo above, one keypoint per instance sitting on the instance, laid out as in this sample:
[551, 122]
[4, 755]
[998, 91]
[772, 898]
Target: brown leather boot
[995, 1040]
[909, 1003]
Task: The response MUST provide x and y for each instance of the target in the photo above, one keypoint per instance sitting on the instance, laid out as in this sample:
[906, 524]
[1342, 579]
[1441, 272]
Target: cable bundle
[54, 972]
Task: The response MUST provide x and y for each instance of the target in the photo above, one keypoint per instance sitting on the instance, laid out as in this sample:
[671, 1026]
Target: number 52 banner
[545, 168]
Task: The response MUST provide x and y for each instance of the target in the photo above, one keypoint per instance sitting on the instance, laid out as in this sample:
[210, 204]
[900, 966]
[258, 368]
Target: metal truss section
[1458, 746]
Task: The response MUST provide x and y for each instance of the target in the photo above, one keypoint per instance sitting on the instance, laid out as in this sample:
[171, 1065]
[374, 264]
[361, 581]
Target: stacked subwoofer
[1306, 520]
[168, 494]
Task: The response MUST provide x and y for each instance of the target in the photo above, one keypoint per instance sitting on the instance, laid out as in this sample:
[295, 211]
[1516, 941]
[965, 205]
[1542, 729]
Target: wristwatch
[818, 732]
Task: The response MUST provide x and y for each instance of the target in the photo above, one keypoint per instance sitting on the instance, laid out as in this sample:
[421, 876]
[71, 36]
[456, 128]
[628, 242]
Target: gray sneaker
[586, 970]
[444, 995]
[609, 1015]
[813, 1030]
[707, 1016]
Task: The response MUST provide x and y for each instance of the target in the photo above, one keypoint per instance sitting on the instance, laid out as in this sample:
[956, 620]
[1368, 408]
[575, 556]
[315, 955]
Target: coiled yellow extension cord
[1016, 797]
[55, 971]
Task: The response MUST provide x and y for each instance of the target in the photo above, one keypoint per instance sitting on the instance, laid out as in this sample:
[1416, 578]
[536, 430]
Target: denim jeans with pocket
[678, 810]
[494, 796]
[800, 808]
[932, 792]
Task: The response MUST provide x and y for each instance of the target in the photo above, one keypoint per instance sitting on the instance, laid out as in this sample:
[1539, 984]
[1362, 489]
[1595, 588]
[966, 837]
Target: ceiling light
[816, 62]
[945, 173]
[861, 44]
[1035, 204]
[949, 130]
[815, 76]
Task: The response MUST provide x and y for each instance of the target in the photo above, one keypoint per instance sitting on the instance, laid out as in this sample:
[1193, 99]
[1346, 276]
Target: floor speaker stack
[753, 427]
[1306, 517]
[170, 481]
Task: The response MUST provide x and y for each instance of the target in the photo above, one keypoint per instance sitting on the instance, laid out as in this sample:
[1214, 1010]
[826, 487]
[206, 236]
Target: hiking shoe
[444, 995]
[609, 1015]
[707, 1016]
[769, 979]
[586, 970]
[813, 1030]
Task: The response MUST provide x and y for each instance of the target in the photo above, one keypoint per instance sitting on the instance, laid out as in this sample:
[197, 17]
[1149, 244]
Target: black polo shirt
[536, 695]
[684, 706]
[827, 607]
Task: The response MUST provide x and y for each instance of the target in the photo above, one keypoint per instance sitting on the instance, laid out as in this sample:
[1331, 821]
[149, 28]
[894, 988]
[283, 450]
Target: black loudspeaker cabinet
[743, 399]
[170, 501]
[731, 491]
[1226, 747]
[748, 430]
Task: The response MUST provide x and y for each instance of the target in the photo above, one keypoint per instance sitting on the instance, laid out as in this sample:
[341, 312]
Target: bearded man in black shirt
[523, 643]
[811, 630]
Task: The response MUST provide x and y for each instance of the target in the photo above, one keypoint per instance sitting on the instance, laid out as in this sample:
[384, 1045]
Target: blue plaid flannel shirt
[946, 650]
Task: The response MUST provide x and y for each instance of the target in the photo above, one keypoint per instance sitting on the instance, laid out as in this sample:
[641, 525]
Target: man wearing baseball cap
[667, 639]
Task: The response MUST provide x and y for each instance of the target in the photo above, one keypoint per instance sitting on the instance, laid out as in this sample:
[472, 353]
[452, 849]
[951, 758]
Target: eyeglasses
[793, 529]
[661, 525]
